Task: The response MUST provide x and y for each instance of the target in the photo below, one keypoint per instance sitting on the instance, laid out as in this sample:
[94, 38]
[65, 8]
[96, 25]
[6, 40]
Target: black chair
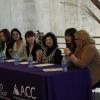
[97, 85]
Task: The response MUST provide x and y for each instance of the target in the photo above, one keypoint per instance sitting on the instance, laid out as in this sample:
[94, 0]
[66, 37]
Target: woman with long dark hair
[18, 44]
[70, 43]
[5, 42]
[32, 47]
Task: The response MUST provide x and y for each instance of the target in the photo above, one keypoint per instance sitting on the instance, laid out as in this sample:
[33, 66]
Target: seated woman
[70, 43]
[51, 53]
[33, 48]
[13, 39]
[18, 46]
[86, 55]
[5, 42]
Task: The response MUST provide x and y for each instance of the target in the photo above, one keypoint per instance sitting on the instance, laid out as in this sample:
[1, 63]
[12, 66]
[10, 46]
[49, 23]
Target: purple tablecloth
[20, 82]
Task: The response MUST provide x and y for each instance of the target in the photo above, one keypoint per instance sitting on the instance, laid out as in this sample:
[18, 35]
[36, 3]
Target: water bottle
[2, 57]
[64, 64]
[1, 60]
[17, 59]
[30, 61]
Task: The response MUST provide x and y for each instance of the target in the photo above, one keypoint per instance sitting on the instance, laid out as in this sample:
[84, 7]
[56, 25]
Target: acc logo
[26, 91]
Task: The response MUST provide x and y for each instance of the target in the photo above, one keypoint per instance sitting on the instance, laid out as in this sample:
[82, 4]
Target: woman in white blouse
[19, 45]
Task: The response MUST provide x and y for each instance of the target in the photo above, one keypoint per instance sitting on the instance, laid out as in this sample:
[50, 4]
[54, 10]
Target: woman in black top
[70, 43]
[51, 53]
[31, 46]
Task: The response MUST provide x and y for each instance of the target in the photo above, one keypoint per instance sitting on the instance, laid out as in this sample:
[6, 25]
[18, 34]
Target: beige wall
[47, 15]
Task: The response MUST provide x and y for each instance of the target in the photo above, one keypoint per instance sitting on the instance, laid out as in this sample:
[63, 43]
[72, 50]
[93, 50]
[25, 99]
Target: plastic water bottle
[1, 60]
[30, 61]
[17, 59]
[2, 57]
[64, 64]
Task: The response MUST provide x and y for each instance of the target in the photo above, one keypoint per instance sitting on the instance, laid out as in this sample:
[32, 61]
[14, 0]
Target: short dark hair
[50, 34]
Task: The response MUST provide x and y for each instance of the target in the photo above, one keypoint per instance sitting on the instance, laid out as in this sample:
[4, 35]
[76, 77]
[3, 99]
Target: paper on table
[10, 60]
[52, 69]
[43, 65]
[26, 62]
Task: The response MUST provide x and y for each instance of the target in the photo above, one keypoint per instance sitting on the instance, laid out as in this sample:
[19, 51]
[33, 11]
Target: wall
[47, 15]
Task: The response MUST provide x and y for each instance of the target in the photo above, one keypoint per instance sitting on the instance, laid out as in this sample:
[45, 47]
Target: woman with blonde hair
[86, 55]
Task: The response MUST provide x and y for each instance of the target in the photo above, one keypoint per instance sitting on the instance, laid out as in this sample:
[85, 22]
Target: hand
[67, 51]
[10, 51]
[38, 55]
